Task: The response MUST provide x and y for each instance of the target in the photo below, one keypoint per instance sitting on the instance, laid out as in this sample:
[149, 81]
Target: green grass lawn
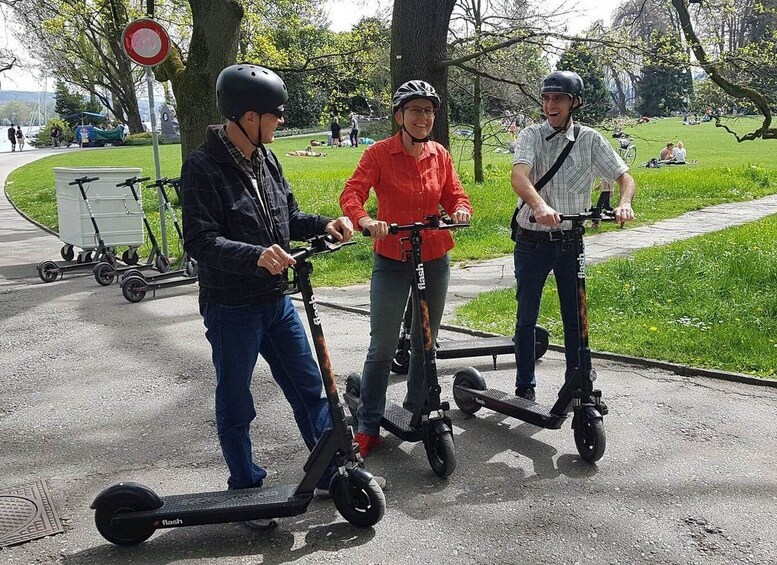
[710, 301]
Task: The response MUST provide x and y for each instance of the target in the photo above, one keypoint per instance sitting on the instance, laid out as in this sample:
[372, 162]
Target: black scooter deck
[475, 347]
[222, 506]
[395, 419]
[517, 407]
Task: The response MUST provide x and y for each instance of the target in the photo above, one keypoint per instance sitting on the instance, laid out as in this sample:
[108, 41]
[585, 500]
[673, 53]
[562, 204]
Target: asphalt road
[96, 390]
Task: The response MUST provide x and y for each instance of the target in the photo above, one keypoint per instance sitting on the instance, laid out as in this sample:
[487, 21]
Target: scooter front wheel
[441, 453]
[363, 506]
[400, 364]
[125, 534]
[590, 437]
[134, 289]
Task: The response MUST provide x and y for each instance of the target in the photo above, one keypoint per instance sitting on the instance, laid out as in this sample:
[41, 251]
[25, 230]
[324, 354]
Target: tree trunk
[213, 46]
[477, 131]
[419, 41]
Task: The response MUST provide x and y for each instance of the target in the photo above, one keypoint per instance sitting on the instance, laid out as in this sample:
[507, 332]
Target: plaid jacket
[224, 230]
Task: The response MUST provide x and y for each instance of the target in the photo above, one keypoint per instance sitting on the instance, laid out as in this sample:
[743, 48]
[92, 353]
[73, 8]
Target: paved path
[94, 390]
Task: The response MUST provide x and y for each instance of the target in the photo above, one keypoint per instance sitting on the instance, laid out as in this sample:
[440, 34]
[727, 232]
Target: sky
[343, 14]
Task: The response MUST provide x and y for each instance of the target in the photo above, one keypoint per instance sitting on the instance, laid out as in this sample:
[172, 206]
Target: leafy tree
[666, 81]
[579, 57]
[80, 43]
[67, 103]
[17, 113]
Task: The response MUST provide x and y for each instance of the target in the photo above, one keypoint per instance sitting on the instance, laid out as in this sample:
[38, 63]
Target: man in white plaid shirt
[548, 244]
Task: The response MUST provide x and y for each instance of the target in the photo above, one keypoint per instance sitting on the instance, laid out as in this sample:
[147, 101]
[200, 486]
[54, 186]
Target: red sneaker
[366, 443]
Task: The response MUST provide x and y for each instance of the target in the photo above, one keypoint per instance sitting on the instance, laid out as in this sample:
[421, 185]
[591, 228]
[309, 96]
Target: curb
[26, 217]
[677, 368]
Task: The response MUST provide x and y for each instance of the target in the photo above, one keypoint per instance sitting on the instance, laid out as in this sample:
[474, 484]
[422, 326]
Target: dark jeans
[237, 335]
[354, 136]
[534, 260]
[604, 201]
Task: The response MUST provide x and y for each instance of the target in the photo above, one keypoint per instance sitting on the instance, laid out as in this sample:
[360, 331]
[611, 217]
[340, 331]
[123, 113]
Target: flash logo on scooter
[316, 319]
[176, 522]
[421, 278]
[581, 262]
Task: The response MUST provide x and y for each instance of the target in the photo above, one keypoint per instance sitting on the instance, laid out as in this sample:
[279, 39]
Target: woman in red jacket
[412, 176]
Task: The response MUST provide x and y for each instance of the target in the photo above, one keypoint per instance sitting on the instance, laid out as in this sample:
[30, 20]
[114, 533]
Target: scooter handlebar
[320, 244]
[133, 180]
[396, 228]
[593, 214]
[83, 180]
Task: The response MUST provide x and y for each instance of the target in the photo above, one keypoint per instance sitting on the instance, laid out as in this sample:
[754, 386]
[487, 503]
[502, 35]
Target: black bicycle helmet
[563, 82]
[413, 90]
[246, 87]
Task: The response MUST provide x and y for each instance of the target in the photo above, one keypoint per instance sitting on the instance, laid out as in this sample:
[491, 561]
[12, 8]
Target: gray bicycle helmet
[413, 90]
[246, 87]
[563, 82]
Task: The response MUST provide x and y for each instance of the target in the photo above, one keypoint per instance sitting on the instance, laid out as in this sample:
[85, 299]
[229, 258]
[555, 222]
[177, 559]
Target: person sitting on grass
[667, 153]
[679, 154]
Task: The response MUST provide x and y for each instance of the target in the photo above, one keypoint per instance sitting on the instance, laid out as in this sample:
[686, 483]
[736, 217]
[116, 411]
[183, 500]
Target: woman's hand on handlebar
[274, 259]
[461, 216]
[377, 229]
[341, 228]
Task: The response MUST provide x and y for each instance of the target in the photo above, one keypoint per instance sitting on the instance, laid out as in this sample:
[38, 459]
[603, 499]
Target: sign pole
[146, 43]
[155, 141]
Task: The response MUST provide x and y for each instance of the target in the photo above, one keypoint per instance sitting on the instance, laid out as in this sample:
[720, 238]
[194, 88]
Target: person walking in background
[605, 192]
[12, 137]
[354, 135]
[678, 153]
[55, 132]
[411, 176]
[19, 137]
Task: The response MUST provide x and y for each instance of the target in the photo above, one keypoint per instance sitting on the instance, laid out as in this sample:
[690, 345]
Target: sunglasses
[277, 112]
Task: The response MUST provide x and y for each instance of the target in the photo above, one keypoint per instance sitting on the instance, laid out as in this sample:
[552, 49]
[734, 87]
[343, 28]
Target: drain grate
[27, 513]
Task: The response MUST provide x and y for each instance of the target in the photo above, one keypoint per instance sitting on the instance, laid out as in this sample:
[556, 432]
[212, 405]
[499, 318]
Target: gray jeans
[389, 288]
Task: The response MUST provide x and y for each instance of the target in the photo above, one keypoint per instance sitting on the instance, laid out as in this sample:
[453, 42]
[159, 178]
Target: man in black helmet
[548, 245]
[239, 214]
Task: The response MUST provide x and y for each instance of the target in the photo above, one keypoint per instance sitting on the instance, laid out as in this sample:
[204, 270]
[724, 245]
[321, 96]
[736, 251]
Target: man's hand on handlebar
[341, 228]
[623, 213]
[377, 229]
[546, 216]
[274, 259]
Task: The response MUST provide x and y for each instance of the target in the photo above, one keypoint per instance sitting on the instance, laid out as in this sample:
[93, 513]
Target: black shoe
[603, 410]
[526, 392]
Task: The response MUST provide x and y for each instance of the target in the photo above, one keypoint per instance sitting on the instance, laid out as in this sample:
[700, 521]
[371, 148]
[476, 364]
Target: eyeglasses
[418, 111]
[277, 112]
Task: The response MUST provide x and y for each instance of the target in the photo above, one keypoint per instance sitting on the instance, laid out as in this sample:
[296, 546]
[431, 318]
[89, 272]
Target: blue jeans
[389, 288]
[237, 335]
[534, 260]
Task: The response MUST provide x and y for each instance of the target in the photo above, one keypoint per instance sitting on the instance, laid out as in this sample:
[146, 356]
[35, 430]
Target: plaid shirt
[230, 217]
[569, 191]
[408, 190]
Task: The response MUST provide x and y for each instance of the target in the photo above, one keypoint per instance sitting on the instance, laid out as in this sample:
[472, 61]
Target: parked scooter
[128, 513]
[577, 394]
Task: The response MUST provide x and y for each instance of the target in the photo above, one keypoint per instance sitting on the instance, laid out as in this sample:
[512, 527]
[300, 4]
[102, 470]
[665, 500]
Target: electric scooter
[128, 513]
[105, 272]
[577, 394]
[48, 271]
[429, 422]
[474, 347]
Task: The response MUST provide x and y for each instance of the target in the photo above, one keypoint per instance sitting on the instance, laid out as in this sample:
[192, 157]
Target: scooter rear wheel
[48, 271]
[134, 289]
[104, 273]
[441, 453]
[468, 378]
[362, 506]
[590, 437]
[400, 364]
[129, 534]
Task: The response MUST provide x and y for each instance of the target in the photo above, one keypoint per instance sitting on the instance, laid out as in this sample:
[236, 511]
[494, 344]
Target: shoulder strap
[544, 180]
